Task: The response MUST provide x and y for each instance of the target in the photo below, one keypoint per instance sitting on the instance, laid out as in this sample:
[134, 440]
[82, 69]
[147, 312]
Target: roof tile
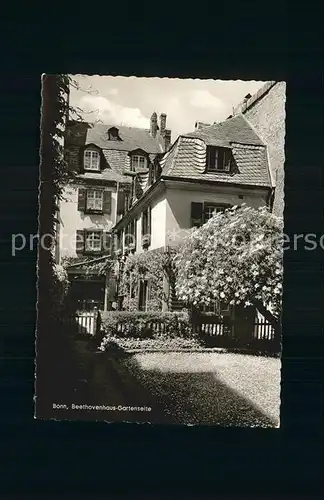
[222, 134]
[132, 138]
[187, 158]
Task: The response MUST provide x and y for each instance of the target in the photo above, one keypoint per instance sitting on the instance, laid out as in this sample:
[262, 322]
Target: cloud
[112, 113]
[112, 91]
[204, 99]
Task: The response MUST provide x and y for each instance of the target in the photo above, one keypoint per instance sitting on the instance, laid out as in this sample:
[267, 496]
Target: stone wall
[267, 115]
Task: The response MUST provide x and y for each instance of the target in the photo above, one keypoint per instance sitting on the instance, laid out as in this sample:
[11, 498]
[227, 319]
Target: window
[93, 241]
[146, 227]
[210, 210]
[218, 159]
[138, 162]
[130, 237]
[113, 134]
[94, 199]
[91, 160]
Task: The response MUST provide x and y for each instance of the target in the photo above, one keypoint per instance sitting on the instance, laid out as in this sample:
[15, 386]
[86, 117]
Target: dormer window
[138, 162]
[91, 160]
[113, 134]
[218, 159]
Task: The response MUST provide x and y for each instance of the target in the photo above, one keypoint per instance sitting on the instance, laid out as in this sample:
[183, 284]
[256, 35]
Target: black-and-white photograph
[161, 242]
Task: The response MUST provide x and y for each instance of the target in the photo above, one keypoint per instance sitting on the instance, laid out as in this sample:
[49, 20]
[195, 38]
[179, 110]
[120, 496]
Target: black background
[261, 41]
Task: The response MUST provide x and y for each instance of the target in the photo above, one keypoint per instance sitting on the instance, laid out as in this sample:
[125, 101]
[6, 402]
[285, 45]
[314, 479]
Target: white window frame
[136, 162]
[213, 166]
[213, 208]
[91, 160]
[93, 241]
[225, 167]
[217, 167]
[94, 199]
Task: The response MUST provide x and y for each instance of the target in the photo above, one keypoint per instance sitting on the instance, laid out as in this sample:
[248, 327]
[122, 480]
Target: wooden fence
[214, 331]
[263, 330]
[83, 322]
[224, 332]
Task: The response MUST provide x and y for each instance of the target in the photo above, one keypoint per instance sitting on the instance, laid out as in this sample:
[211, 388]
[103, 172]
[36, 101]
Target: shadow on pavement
[199, 398]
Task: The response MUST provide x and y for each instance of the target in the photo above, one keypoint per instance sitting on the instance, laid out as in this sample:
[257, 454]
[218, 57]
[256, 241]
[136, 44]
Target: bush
[119, 345]
[146, 324]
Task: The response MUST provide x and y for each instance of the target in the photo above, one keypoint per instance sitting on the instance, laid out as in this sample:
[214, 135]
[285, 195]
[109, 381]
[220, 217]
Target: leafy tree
[236, 258]
[54, 175]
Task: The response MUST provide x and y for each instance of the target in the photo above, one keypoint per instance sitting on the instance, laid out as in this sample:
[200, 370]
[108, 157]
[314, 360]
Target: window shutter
[196, 214]
[79, 244]
[107, 242]
[107, 202]
[82, 195]
[121, 202]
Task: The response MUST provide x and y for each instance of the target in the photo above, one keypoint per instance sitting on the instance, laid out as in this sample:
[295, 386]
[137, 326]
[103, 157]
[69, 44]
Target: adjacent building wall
[71, 220]
[267, 116]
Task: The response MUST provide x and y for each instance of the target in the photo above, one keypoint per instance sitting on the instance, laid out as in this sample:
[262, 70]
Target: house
[97, 198]
[205, 171]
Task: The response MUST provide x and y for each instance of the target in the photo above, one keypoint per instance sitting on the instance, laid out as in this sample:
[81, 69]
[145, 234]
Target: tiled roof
[117, 160]
[222, 134]
[187, 158]
[132, 138]
[106, 175]
[115, 152]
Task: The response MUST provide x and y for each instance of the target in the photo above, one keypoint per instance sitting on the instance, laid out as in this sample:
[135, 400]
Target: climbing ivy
[89, 265]
[150, 265]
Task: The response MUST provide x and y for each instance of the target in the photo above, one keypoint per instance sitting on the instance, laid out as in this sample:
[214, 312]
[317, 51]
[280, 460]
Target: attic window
[218, 159]
[113, 134]
[91, 160]
[138, 162]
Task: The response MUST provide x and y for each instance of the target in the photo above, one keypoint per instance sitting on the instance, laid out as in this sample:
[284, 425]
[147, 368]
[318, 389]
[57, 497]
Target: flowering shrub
[236, 258]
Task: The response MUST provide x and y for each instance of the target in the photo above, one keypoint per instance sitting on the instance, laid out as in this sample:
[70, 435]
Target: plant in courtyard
[140, 323]
[89, 265]
[60, 285]
[150, 265]
[55, 173]
[236, 258]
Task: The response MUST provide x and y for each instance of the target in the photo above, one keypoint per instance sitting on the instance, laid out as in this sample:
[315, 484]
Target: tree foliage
[236, 257]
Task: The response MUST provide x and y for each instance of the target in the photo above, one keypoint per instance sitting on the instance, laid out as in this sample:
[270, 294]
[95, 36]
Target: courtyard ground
[212, 388]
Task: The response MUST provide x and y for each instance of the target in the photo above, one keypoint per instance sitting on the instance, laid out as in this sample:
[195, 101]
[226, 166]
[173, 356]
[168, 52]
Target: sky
[130, 101]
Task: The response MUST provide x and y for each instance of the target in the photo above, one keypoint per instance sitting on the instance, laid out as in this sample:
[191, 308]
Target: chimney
[199, 125]
[153, 125]
[167, 139]
[244, 103]
[163, 118]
